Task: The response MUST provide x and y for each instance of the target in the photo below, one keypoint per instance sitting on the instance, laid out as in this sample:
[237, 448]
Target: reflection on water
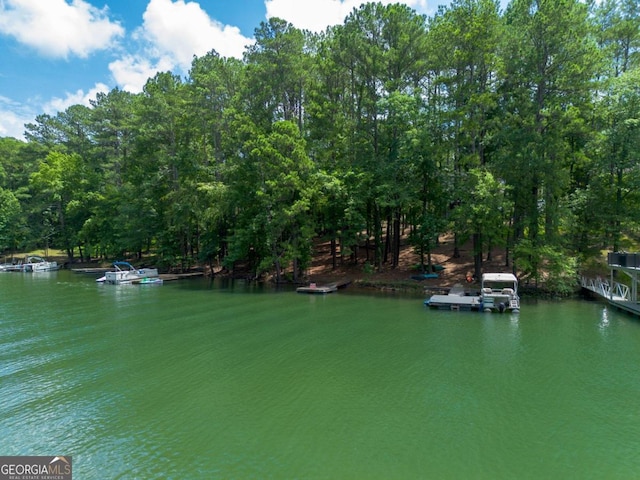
[604, 322]
[203, 380]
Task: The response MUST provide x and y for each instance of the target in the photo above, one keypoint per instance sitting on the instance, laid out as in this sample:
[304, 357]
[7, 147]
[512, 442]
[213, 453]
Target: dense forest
[515, 129]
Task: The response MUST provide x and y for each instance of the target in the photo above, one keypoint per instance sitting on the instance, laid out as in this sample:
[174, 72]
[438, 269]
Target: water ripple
[203, 383]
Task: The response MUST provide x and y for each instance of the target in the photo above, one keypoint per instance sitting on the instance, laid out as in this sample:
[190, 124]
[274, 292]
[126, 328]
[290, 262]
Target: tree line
[516, 129]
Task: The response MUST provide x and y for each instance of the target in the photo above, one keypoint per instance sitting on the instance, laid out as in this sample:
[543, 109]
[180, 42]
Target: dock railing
[619, 291]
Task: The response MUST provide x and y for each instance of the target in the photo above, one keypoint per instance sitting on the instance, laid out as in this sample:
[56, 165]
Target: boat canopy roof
[123, 264]
[499, 277]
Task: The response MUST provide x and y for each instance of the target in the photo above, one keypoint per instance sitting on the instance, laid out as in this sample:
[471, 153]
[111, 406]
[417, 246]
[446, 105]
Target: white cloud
[171, 34]
[317, 15]
[13, 118]
[183, 29]
[77, 98]
[174, 31]
[56, 28]
[132, 71]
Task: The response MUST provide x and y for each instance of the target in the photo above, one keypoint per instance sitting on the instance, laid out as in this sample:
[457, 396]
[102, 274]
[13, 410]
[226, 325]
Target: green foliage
[484, 206]
[548, 266]
[273, 188]
[11, 222]
[515, 128]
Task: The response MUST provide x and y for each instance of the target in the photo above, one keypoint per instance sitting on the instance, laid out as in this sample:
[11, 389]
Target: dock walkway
[619, 295]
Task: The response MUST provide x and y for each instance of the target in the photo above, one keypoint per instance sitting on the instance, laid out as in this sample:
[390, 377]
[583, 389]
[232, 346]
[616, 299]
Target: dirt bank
[455, 269]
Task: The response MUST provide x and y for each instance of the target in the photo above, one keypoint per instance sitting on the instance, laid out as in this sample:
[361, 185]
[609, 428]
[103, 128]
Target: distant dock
[168, 277]
[618, 294]
[313, 288]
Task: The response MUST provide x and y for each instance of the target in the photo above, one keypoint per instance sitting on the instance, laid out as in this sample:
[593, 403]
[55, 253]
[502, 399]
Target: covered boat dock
[618, 294]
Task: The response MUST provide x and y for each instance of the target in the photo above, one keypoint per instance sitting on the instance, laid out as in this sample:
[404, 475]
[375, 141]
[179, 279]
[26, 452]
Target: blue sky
[57, 53]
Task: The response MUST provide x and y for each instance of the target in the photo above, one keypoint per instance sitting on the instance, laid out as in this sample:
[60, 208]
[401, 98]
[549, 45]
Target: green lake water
[191, 380]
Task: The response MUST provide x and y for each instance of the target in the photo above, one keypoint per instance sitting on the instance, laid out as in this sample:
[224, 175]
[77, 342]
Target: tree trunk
[397, 234]
[334, 253]
[477, 255]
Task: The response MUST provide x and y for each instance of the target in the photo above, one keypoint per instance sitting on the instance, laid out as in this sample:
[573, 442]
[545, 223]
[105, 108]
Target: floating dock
[455, 299]
[314, 288]
[455, 302]
[618, 294]
[317, 289]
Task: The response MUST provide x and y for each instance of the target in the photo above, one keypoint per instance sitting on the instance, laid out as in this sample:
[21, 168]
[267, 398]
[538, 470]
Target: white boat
[39, 264]
[498, 293]
[126, 273]
[31, 264]
[12, 267]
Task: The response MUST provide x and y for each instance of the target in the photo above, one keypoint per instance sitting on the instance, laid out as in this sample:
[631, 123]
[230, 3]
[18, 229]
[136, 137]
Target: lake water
[193, 380]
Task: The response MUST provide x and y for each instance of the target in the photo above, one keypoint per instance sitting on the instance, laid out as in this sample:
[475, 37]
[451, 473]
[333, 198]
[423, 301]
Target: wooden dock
[318, 290]
[454, 302]
[313, 288]
[92, 271]
[169, 277]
